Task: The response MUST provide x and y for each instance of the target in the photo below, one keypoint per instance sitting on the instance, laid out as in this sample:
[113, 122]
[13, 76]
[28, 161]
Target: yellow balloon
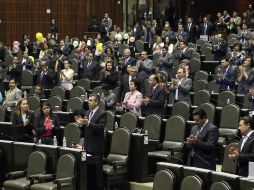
[39, 36]
[32, 58]
[99, 46]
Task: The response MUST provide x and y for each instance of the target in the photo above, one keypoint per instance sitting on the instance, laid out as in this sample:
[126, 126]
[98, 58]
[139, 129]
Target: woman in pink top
[133, 99]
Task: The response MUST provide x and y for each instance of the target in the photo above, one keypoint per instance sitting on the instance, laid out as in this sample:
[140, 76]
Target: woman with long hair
[108, 76]
[46, 124]
[23, 117]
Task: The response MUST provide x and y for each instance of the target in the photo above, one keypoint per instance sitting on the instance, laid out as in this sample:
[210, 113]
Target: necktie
[205, 29]
[88, 65]
[189, 27]
[41, 77]
[90, 115]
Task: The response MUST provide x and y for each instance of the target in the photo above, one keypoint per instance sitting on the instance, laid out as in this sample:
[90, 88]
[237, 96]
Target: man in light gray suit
[12, 95]
[145, 66]
[181, 86]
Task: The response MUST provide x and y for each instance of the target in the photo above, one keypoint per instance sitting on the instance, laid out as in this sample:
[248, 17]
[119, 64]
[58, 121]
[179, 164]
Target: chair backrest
[110, 121]
[77, 91]
[174, 132]
[74, 65]
[228, 165]
[195, 65]
[37, 163]
[209, 109]
[2, 114]
[74, 103]
[227, 120]
[33, 102]
[97, 90]
[152, 124]
[199, 85]
[55, 101]
[139, 45]
[181, 108]
[223, 98]
[120, 142]
[129, 120]
[212, 87]
[58, 91]
[196, 55]
[221, 185]
[209, 56]
[200, 97]
[121, 48]
[85, 83]
[164, 180]
[65, 166]
[192, 182]
[27, 78]
[201, 75]
[200, 42]
[246, 103]
[72, 133]
[164, 74]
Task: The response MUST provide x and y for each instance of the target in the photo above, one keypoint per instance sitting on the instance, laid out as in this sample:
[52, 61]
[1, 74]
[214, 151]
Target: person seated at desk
[12, 95]
[133, 99]
[38, 92]
[46, 124]
[108, 97]
[23, 117]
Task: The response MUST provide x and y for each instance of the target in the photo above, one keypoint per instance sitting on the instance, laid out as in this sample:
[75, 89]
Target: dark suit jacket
[18, 121]
[204, 148]
[246, 155]
[47, 80]
[110, 80]
[40, 127]
[94, 132]
[123, 67]
[209, 29]
[157, 99]
[192, 33]
[93, 72]
[229, 79]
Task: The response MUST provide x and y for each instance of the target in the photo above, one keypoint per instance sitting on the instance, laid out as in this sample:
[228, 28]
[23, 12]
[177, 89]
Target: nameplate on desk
[225, 174]
[71, 149]
[45, 146]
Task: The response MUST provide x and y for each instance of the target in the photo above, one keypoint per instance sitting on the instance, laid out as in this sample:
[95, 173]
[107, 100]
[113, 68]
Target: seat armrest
[43, 177]
[16, 174]
[228, 136]
[119, 163]
[63, 180]
[175, 149]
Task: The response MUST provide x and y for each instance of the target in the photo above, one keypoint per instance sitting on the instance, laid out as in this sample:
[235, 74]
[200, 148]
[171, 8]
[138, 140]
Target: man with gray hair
[127, 60]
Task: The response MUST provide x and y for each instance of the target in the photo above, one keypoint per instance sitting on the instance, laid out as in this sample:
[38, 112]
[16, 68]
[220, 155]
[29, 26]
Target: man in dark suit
[183, 52]
[205, 28]
[245, 152]
[202, 142]
[45, 76]
[127, 60]
[154, 99]
[91, 69]
[93, 124]
[181, 86]
[191, 30]
[225, 75]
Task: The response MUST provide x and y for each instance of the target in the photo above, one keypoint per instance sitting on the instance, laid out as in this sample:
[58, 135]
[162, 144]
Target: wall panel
[72, 16]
